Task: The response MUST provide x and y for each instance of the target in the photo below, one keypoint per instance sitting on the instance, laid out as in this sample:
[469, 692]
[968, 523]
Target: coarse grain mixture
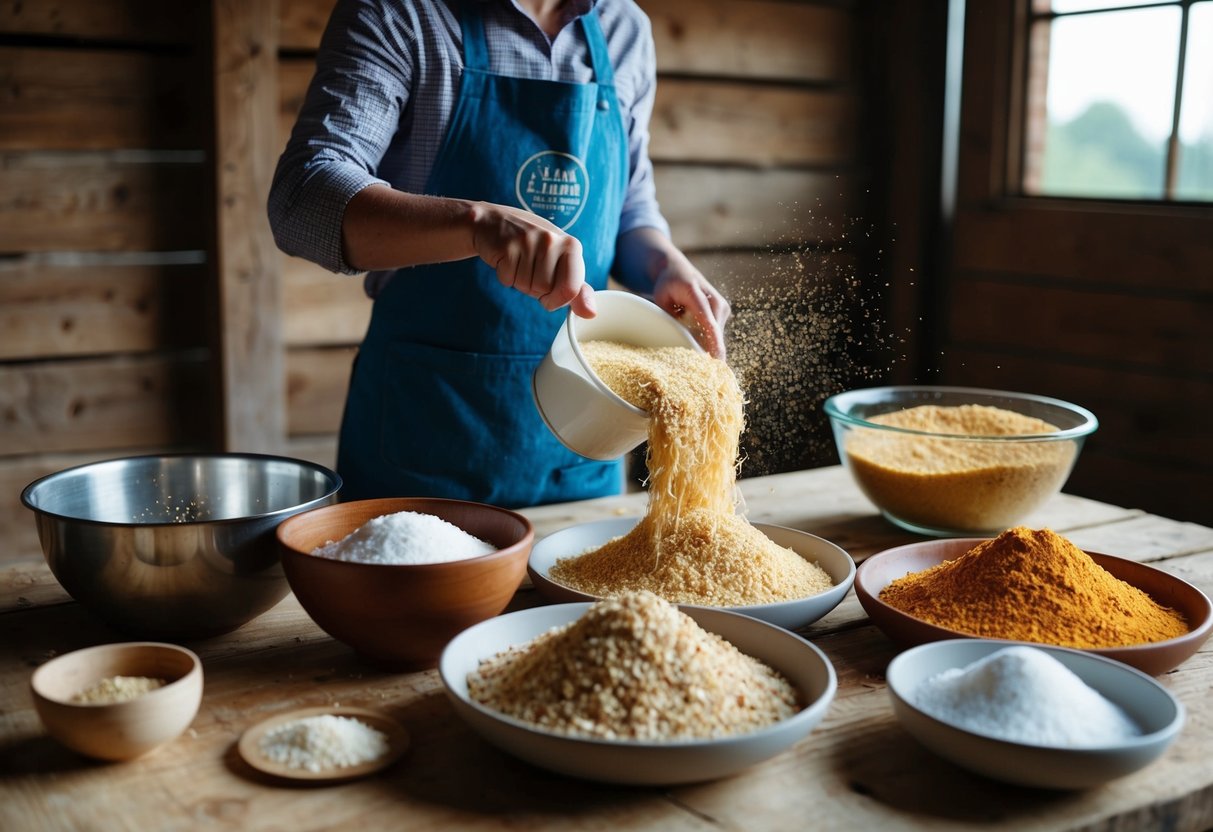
[634, 667]
[962, 484]
[691, 546]
[113, 689]
[323, 742]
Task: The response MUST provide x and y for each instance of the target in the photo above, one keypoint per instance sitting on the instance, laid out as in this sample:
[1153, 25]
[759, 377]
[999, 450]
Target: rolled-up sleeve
[640, 208]
[349, 117]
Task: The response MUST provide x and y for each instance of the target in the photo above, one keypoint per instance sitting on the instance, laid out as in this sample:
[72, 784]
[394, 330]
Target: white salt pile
[318, 743]
[406, 537]
[1024, 695]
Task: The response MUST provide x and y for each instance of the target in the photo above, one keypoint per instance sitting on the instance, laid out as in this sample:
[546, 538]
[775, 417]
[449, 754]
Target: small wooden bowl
[878, 571]
[399, 617]
[118, 730]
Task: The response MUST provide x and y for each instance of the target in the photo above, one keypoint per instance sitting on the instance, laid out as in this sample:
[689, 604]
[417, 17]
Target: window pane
[1087, 5]
[1108, 84]
[1195, 179]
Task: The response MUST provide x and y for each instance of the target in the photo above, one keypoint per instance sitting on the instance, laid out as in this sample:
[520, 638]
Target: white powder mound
[1024, 695]
[406, 537]
[318, 743]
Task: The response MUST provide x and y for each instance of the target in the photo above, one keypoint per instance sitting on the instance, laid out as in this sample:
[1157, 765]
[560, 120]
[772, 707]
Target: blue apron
[440, 397]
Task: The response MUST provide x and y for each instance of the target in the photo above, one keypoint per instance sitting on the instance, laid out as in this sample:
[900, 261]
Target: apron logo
[554, 186]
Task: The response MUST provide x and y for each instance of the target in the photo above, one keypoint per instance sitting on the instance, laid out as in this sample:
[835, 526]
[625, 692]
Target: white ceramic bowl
[641, 763]
[577, 406]
[791, 615]
[1156, 711]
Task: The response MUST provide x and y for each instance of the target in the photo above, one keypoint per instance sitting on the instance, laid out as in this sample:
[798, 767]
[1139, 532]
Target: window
[1119, 100]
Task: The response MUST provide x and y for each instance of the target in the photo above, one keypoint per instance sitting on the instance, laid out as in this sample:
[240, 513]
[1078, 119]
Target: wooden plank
[31, 580]
[905, 56]
[1147, 538]
[252, 381]
[17, 529]
[95, 404]
[317, 381]
[48, 309]
[321, 308]
[1158, 416]
[700, 121]
[1153, 446]
[302, 22]
[756, 39]
[76, 99]
[319, 449]
[1105, 472]
[749, 277]
[137, 21]
[1168, 334]
[294, 75]
[717, 207]
[99, 202]
[787, 41]
[1143, 248]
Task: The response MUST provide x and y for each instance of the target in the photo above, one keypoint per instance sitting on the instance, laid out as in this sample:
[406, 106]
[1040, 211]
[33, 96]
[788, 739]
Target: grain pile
[405, 538]
[634, 668]
[691, 546]
[961, 484]
[323, 742]
[1034, 585]
[113, 689]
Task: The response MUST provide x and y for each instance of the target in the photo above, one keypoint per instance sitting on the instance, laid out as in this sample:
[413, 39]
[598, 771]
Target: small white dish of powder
[1024, 695]
[405, 538]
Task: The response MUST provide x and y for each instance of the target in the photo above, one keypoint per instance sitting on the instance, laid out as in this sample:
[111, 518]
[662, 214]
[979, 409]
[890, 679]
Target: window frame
[1026, 19]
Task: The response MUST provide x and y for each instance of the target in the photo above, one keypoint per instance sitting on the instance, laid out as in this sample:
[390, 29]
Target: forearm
[383, 228]
[641, 255]
[646, 261]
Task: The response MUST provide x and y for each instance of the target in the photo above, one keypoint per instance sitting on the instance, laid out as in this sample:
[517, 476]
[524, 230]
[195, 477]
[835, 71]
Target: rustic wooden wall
[104, 231]
[140, 310]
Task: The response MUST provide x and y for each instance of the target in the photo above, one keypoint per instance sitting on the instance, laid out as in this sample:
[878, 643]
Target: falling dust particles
[807, 323]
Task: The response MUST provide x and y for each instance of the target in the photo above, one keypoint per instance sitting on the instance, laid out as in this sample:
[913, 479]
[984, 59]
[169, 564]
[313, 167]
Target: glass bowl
[946, 484]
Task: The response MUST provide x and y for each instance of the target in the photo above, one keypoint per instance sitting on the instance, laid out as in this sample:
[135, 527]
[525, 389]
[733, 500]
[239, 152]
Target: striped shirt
[387, 78]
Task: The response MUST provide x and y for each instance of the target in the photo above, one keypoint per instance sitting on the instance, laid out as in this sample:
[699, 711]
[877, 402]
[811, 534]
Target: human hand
[681, 289]
[533, 256]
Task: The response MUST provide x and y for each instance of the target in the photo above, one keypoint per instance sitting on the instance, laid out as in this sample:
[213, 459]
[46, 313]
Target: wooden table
[858, 770]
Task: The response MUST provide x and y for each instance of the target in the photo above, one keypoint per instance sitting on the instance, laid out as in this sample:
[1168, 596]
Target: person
[486, 162]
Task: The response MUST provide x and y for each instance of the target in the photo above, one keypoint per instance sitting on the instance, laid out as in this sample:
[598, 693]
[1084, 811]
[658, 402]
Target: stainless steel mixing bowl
[178, 546]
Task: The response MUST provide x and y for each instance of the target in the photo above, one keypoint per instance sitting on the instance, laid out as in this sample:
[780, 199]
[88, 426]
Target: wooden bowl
[905, 630]
[399, 617]
[119, 730]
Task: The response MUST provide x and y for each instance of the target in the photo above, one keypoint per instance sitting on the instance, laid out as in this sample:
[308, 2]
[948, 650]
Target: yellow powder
[691, 546]
[1034, 585]
[959, 484]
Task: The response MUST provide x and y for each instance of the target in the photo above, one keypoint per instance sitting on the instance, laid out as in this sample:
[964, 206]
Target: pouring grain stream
[691, 546]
